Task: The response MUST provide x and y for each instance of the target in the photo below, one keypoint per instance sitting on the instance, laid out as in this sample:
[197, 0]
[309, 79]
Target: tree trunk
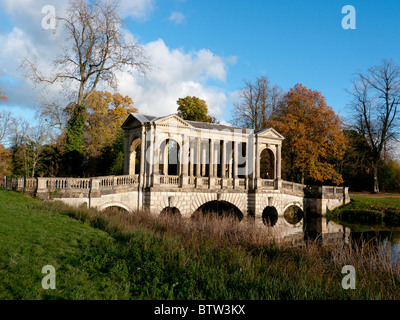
[376, 184]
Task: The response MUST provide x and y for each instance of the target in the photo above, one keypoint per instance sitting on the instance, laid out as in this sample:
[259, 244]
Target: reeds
[377, 266]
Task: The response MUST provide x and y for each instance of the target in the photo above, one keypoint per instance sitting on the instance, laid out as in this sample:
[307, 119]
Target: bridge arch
[270, 216]
[114, 204]
[220, 208]
[171, 211]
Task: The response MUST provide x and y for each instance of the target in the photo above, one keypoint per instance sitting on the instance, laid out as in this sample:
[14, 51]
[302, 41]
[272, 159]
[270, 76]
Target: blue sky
[206, 48]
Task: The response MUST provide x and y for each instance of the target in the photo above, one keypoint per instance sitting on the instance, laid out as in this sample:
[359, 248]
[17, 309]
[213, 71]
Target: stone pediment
[173, 120]
[270, 133]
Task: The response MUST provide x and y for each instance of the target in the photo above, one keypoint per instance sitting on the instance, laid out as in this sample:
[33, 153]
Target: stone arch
[270, 216]
[171, 211]
[114, 204]
[220, 208]
[267, 163]
[134, 156]
[169, 156]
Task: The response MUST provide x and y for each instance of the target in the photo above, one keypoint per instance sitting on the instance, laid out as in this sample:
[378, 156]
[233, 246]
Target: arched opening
[293, 214]
[270, 216]
[267, 164]
[169, 163]
[135, 156]
[115, 209]
[171, 211]
[219, 209]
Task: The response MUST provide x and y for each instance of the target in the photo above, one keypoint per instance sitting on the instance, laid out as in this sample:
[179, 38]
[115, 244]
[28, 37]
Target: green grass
[385, 200]
[146, 257]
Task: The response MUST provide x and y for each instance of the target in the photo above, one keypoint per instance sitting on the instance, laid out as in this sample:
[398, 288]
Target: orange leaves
[2, 96]
[313, 136]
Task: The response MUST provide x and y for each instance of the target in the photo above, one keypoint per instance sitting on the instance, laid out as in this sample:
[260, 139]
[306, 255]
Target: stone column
[184, 161]
[211, 159]
[223, 159]
[198, 160]
[278, 179]
[191, 166]
[165, 158]
[142, 155]
[235, 164]
[154, 165]
[257, 164]
[216, 158]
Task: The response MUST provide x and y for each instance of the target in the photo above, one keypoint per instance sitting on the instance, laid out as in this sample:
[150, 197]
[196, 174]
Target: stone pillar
[257, 164]
[164, 158]
[278, 179]
[216, 158]
[184, 161]
[235, 164]
[198, 160]
[154, 165]
[223, 162]
[211, 159]
[191, 165]
[142, 155]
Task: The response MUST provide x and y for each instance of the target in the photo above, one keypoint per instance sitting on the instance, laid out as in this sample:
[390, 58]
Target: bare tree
[376, 98]
[257, 101]
[94, 50]
[7, 121]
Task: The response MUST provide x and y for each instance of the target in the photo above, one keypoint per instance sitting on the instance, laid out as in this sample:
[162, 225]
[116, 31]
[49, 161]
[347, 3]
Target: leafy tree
[105, 114]
[313, 137]
[194, 109]
[111, 159]
[74, 154]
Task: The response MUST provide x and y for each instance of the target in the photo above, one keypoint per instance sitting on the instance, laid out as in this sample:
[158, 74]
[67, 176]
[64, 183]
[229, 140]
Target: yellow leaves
[105, 113]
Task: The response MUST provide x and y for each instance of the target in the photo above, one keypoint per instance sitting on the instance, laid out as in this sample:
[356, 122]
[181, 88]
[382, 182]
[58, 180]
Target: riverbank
[115, 255]
[370, 209]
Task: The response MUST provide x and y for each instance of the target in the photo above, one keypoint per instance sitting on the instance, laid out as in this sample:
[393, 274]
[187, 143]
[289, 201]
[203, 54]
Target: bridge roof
[202, 125]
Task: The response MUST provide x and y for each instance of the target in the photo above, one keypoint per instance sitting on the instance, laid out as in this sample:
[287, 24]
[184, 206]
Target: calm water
[326, 231]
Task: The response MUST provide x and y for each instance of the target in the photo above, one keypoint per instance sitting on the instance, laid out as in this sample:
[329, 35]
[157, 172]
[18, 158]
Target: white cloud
[176, 17]
[176, 74]
[137, 9]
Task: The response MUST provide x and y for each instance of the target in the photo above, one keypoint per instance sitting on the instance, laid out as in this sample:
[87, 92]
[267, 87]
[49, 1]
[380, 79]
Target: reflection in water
[324, 232]
[309, 229]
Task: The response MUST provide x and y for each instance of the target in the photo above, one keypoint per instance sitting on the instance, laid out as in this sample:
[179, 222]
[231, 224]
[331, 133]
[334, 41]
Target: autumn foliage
[314, 141]
[105, 113]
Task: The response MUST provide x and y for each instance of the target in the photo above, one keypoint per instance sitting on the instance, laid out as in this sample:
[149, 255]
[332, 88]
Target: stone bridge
[173, 165]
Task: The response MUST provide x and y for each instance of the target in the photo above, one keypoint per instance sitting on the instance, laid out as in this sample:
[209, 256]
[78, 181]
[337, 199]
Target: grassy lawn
[138, 256]
[383, 200]
[31, 238]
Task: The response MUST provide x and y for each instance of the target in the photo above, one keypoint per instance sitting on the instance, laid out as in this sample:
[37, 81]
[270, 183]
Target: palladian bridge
[183, 167]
